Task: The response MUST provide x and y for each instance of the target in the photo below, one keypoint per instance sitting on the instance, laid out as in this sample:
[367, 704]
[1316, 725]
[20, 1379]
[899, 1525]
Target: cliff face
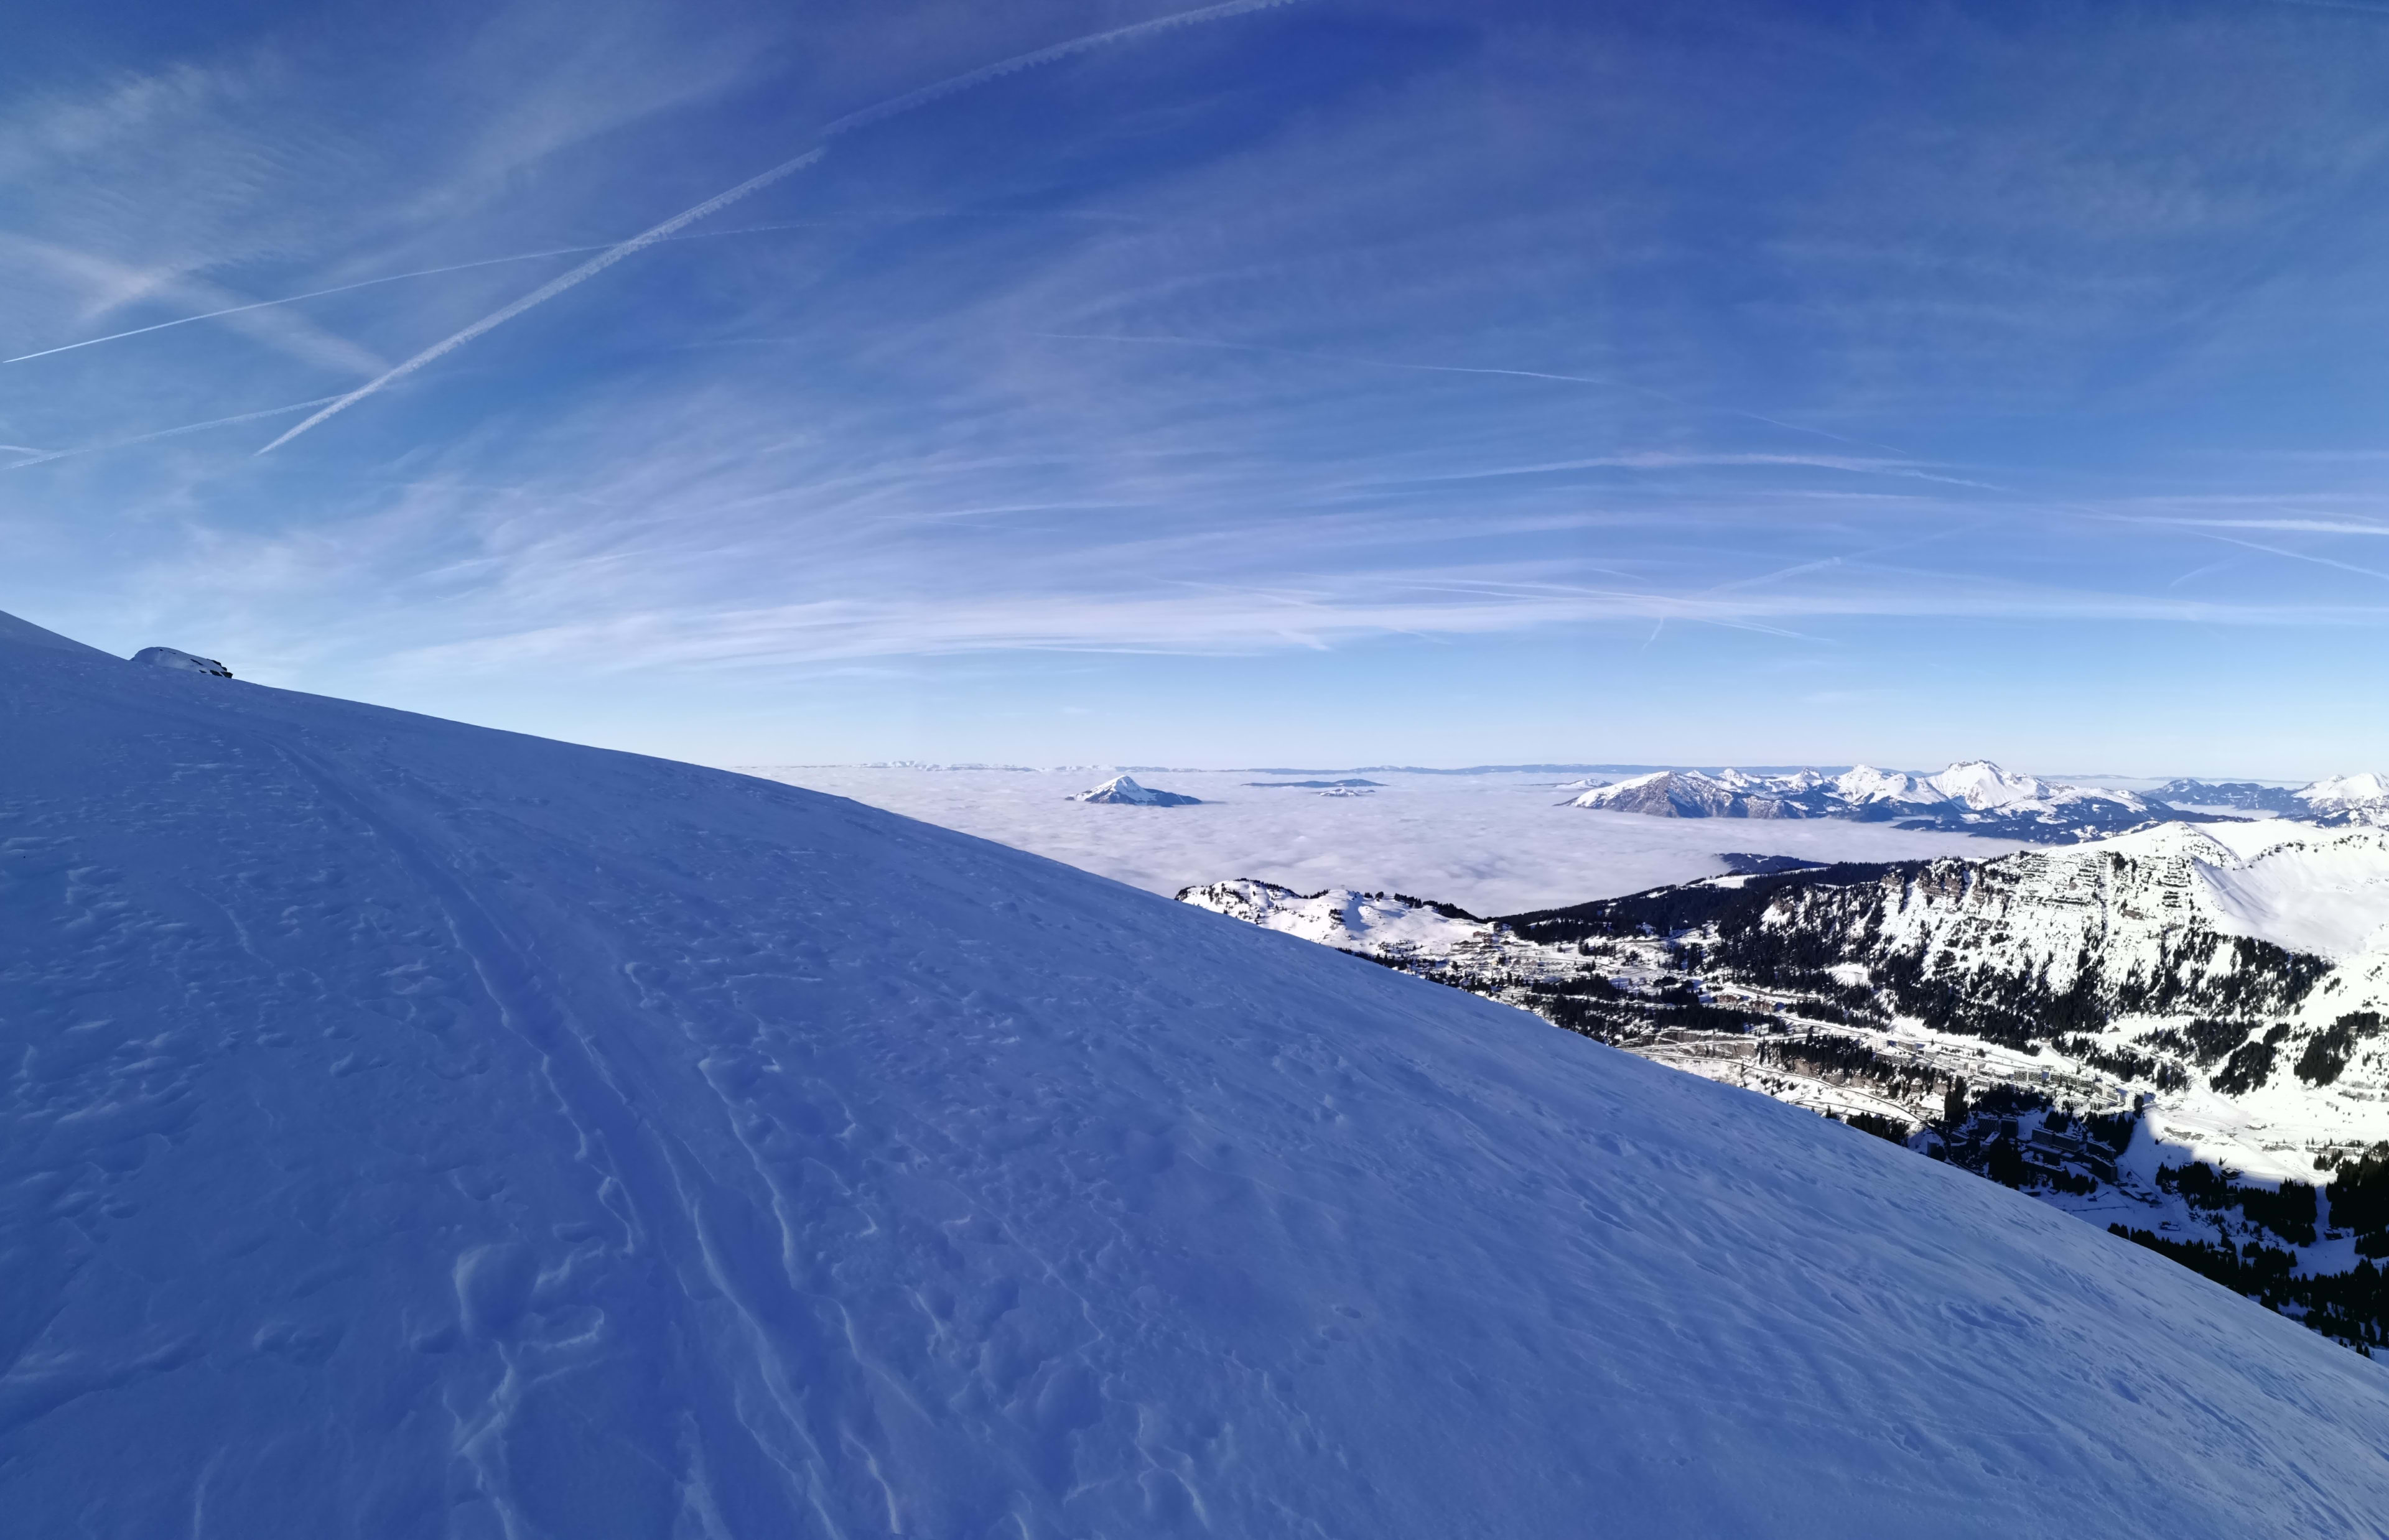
[2279, 930]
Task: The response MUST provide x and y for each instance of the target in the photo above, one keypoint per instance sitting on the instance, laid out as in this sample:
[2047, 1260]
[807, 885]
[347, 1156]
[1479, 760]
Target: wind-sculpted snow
[414, 1130]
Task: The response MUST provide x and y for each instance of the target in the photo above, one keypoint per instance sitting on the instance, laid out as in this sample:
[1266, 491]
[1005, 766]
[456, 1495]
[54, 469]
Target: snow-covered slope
[1972, 796]
[2322, 892]
[1688, 794]
[2361, 798]
[1377, 923]
[414, 1130]
[1863, 783]
[1124, 789]
[1980, 783]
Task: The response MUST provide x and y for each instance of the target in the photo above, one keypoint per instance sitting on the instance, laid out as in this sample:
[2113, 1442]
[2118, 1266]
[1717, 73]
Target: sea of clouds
[1493, 842]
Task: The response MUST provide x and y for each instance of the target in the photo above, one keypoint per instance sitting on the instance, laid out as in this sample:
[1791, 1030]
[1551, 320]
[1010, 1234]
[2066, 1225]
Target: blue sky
[1315, 382]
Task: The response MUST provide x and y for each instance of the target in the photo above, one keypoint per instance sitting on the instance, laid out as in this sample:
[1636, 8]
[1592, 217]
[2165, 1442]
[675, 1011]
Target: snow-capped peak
[1980, 783]
[1689, 794]
[1124, 789]
[1594, 797]
[2345, 793]
[1863, 783]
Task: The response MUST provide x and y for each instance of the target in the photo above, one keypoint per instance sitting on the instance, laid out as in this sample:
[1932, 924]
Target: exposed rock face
[2264, 925]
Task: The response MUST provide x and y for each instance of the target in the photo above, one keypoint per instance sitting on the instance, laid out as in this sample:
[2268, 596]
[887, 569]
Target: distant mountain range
[1976, 796]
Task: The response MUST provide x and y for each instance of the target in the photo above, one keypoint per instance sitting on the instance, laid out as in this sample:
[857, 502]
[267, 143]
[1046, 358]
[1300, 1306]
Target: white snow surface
[2320, 891]
[2365, 796]
[1685, 793]
[1338, 917]
[1863, 783]
[2324, 896]
[415, 1129]
[1980, 783]
[1497, 843]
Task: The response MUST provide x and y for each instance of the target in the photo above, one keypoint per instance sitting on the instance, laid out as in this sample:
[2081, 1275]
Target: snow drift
[416, 1129]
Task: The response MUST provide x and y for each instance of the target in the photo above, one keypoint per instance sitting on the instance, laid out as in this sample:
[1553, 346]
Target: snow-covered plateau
[415, 1129]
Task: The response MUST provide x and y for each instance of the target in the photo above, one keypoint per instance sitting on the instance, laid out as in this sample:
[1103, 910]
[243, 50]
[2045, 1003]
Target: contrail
[294, 298]
[2302, 556]
[368, 283]
[555, 287]
[2293, 525]
[847, 124]
[43, 458]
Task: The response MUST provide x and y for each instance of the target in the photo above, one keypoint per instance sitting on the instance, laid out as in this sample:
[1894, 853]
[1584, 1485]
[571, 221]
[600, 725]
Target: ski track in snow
[1500, 843]
[417, 1130]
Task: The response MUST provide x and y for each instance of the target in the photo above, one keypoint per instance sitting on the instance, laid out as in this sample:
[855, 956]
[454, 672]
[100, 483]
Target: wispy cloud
[553, 287]
[1467, 325]
[2284, 526]
[2304, 557]
[43, 457]
[108, 284]
[247, 306]
[1447, 369]
[864, 117]
[1677, 460]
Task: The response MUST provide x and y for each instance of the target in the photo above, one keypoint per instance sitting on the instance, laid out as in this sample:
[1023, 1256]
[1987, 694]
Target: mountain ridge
[1977, 796]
